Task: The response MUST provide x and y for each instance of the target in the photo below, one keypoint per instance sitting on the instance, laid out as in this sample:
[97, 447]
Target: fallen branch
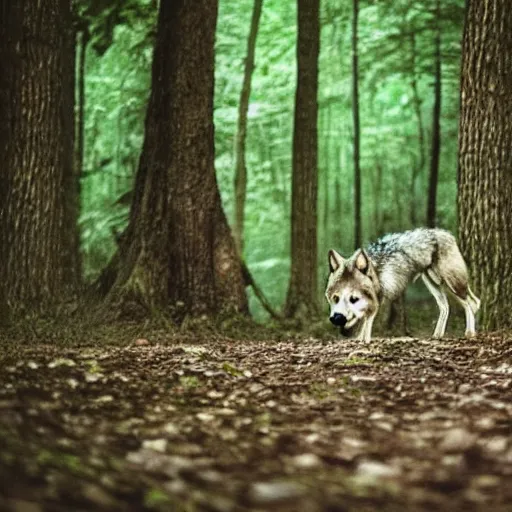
[249, 281]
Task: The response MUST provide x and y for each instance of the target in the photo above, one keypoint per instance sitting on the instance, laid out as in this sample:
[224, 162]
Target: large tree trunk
[302, 291]
[34, 113]
[485, 157]
[436, 126]
[178, 250]
[357, 129]
[71, 186]
[241, 131]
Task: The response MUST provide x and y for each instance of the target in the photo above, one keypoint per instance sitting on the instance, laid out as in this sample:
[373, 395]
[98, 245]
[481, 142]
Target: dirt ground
[303, 425]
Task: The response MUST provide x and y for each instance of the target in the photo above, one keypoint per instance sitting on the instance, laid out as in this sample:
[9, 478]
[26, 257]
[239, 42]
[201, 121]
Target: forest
[188, 192]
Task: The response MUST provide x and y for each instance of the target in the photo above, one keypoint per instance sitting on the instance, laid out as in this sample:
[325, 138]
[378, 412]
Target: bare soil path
[400, 424]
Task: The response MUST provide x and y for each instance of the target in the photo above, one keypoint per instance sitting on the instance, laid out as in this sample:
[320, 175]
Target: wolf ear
[362, 262]
[335, 260]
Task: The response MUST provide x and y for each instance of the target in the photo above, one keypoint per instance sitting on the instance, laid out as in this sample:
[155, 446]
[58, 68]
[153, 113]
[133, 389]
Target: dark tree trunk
[357, 129]
[436, 126]
[303, 290]
[240, 165]
[485, 157]
[71, 186]
[418, 167]
[35, 111]
[178, 249]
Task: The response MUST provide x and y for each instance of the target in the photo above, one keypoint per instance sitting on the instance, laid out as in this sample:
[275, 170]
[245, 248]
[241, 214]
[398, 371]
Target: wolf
[357, 286]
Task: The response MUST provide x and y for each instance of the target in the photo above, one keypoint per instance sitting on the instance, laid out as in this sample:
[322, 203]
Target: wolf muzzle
[338, 319]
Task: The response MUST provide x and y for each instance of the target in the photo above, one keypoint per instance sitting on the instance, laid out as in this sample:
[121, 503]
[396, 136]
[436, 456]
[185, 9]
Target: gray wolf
[357, 286]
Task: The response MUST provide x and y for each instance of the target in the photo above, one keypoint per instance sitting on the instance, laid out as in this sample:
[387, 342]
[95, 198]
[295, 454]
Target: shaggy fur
[357, 286]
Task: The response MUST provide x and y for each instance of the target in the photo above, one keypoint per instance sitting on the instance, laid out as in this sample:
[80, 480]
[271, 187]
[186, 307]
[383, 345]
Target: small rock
[375, 469]
[61, 361]
[141, 342]
[266, 493]
[93, 377]
[171, 429]
[497, 444]
[105, 399]
[306, 461]
[72, 383]
[457, 440]
[158, 445]
[32, 365]
[465, 388]
[205, 417]
[486, 481]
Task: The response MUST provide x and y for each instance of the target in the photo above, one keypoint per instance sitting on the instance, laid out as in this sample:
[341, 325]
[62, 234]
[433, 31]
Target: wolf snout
[338, 319]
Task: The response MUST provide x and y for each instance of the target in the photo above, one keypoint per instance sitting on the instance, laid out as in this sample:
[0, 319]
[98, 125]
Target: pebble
[376, 469]
[457, 440]
[158, 445]
[306, 461]
[266, 493]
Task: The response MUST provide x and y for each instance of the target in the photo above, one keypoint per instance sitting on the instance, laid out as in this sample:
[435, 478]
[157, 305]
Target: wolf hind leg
[442, 303]
[470, 315]
[474, 301]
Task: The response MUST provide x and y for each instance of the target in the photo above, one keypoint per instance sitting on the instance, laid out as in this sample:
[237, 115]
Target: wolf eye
[335, 299]
[353, 299]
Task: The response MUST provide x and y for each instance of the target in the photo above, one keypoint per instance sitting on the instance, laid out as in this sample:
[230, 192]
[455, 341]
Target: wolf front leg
[442, 304]
[365, 334]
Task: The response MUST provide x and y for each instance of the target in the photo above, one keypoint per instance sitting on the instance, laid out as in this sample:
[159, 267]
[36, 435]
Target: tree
[302, 290]
[357, 129]
[243, 107]
[36, 151]
[178, 250]
[436, 125]
[485, 159]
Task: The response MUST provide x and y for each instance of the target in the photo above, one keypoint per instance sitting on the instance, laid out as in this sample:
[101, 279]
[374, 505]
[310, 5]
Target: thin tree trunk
[240, 163]
[419, 167]
[327, 184]
[302, 291]
[485, 157]
[80, 118]
[33, 235]
[436, 126]
[357, 129]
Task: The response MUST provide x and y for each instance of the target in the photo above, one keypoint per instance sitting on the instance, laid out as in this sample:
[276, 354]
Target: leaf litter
[312, 425]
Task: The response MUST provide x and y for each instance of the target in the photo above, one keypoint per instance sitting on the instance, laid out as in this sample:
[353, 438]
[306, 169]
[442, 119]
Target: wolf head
[352, 288]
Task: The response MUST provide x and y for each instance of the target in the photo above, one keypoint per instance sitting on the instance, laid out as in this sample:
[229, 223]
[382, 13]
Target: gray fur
[389, 265]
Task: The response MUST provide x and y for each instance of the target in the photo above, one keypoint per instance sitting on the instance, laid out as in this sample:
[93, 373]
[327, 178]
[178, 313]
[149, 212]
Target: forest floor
[222, 425]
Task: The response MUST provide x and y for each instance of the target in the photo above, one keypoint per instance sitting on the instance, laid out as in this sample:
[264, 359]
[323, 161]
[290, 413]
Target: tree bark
[71, 185]
[485, 157]
[240, 164]
[34, 151]
[178, 249]
[436, 126]
[420, 166]
[357, 129]
[302, 291]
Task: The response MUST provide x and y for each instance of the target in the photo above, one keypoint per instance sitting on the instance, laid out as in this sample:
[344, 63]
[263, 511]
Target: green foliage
[117, 87]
